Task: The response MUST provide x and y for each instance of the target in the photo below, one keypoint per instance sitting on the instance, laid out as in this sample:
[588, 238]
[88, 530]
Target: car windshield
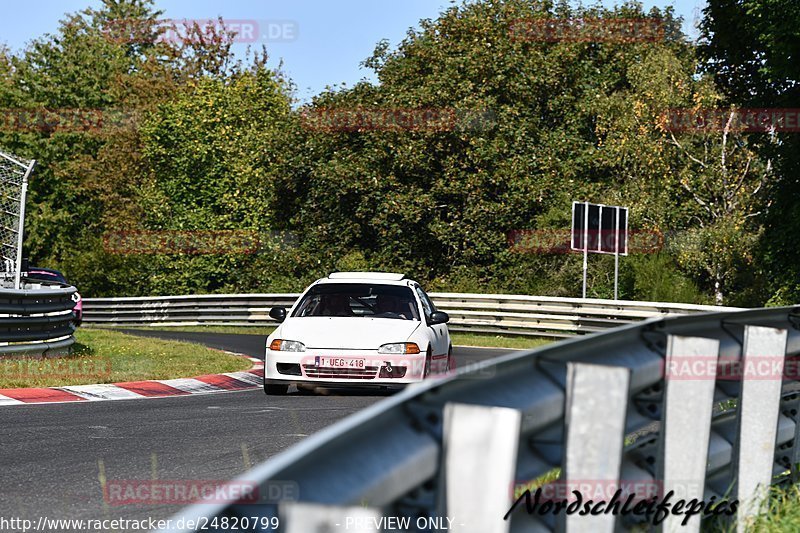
[358, 300]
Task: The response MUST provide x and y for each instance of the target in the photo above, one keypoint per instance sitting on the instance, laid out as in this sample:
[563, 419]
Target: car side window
[427, 305]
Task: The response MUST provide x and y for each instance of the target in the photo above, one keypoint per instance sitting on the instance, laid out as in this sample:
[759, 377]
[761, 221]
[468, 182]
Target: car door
[440, 344]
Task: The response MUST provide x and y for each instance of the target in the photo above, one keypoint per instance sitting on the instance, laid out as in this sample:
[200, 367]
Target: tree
[211, 154]
[85, 92]
[478, 127]
[727, 180]
[750, 47]
[438, 202]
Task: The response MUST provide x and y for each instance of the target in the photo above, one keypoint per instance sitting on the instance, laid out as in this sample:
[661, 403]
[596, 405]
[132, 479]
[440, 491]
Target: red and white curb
[131, 390]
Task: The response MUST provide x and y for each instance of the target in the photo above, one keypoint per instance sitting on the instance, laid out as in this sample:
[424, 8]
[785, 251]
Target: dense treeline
[509, 131]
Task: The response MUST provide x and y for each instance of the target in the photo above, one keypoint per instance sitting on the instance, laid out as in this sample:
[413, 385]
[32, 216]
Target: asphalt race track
[54, 456]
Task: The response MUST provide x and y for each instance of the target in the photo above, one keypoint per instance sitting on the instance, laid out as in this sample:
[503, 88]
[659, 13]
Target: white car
[357, 328]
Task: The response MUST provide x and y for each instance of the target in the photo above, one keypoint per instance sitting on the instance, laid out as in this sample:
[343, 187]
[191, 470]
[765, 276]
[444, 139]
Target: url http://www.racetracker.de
[52, 525]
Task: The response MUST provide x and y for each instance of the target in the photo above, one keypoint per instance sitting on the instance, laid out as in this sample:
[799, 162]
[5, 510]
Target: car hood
[360, 333]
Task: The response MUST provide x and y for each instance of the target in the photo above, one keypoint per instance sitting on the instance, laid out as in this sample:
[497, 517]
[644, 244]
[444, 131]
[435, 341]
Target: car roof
[32, 271]
[47, 270]
[387, 278]
[392, 276]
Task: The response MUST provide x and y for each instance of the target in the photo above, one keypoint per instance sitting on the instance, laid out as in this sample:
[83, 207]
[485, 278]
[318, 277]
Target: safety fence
[14, 174]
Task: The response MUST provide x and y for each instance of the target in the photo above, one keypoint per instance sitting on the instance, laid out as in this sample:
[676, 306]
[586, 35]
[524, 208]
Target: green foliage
[655, 278]
[751, 44]
[750, 47]
[525, 127]
[210, 154]
[429, 202]
[181, 160]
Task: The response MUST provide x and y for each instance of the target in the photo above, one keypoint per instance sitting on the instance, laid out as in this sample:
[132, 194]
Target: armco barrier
[486, 313]
[600, 408]
[37, 321]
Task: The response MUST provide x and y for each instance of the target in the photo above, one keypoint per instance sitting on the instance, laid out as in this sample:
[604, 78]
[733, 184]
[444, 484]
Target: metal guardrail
[601, 408]
[36, 321]
[492, 313]
[551, 316]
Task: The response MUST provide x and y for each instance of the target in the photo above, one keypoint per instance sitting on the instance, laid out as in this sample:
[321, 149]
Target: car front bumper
[343, 367]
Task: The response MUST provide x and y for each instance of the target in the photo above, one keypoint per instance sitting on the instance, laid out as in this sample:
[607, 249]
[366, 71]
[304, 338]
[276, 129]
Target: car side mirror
[439, 317]
[278, 313]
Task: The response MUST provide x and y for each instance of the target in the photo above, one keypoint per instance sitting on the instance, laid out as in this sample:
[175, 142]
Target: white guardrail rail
[480, 313]
[655, 409]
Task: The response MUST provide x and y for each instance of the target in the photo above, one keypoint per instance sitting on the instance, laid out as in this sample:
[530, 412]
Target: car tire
[449, 360]
[275, 390]
[428, 361]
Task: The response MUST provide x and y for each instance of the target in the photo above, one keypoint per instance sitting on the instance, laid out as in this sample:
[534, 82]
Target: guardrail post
[688, 402]
[315, 518]
[764, 350]
[480, 457]
[597, 399]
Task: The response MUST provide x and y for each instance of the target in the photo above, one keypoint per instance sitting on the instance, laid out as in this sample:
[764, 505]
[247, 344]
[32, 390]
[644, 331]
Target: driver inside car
[336, 305]
[386, 303]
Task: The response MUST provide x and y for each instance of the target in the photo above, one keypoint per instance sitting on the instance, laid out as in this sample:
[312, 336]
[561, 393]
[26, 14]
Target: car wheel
[427, 371]
[275, 390]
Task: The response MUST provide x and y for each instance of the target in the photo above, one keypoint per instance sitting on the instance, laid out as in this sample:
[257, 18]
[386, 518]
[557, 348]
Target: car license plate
[340, 362]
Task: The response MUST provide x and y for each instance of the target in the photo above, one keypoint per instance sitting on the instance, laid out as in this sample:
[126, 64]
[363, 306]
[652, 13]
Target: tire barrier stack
[37, 321]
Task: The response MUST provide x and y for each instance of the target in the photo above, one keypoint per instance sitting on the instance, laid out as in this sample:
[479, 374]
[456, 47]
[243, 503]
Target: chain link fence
[14, 174]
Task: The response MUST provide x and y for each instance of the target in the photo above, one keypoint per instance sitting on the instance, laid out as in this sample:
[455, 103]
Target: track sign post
[599, 229]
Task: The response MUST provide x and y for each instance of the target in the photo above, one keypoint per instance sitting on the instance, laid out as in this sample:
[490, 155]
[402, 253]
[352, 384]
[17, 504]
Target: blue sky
[321, 42]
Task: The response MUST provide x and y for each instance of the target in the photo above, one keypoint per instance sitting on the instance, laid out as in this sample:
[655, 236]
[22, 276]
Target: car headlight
[280, 345]
[399, 348]
[75, 297]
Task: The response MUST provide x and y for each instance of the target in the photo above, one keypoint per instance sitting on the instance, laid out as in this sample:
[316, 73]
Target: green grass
[497, 341]
[459, 339]
[782, 513]
[532, 485]
[238, 330]
[104, 356]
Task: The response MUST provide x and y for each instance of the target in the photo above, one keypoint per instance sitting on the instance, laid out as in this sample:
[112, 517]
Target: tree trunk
[718, 297]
